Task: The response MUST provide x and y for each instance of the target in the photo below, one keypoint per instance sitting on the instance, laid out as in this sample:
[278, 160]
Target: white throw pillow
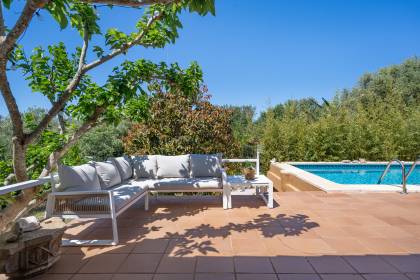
[144, 166]
[205, 165]
[83, 177]
[173, 166]
[124, 167]
[108, 174]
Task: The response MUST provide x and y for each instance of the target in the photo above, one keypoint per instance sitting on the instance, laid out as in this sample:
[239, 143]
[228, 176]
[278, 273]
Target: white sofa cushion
[108, 173]
[205, 165]
[186, 183]
[173, 166]
[124, 167]
[144, 166]
[126, 192]
[78, 178]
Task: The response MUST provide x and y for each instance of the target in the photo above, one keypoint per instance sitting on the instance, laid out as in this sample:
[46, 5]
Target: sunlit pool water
[361, 173]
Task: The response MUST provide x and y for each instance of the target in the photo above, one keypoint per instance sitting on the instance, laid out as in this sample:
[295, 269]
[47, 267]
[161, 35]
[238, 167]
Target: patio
[308, 235]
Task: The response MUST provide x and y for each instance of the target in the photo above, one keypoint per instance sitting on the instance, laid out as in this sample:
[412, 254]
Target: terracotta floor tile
[346, 246]
[341, 277]
[370, 264]
[361, 231]
[249, 247]
[381, 246]
[308, 245]
[253, 265]
[413, 229]
[47, 277]
[276, 247]
[132, 276]
[292, 265]
[174, 277]
[189, 247]
[298, 276]
[256, 276]
[106, 263]
[368, 220]
[330, 264]
[150, 246]
[171, 264]
[122, 248]
[395, 220]
[385, 277]
[92, 277]
[214, 276]
[214, 264]
[393, 231]
[404, 264]
[140, 263]
[68, 264]
[410, 245]
[330, 232]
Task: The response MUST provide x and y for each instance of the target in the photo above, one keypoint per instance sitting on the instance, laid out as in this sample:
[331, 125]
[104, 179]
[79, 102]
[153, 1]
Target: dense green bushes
[179, 124]
[379, 119]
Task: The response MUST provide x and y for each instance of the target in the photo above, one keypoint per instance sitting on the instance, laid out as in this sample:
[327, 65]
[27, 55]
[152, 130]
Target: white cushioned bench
[107, 189]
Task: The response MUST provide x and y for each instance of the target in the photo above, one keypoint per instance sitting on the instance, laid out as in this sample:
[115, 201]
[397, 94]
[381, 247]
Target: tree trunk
[23, 200]
[19, 159]
[61, 123]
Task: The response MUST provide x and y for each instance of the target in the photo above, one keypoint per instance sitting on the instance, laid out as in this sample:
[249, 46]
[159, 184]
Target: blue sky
[261, 52]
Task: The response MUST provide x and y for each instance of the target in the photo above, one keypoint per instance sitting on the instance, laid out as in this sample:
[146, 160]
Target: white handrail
[27, 184]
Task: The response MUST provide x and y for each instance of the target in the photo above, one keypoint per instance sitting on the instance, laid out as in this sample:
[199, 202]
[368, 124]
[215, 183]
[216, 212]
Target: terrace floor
[308, 235]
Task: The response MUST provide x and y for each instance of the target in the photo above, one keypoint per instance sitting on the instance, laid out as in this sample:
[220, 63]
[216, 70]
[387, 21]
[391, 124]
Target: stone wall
[285, 182]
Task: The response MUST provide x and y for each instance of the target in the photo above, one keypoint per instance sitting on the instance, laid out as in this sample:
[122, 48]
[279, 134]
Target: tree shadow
[138, 225]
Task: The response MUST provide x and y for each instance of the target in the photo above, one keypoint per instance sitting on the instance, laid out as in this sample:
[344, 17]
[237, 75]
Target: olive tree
[62, 75]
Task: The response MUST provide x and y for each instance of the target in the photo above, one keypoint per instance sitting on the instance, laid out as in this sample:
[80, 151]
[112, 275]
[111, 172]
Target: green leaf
[98, 50]
[7, 3]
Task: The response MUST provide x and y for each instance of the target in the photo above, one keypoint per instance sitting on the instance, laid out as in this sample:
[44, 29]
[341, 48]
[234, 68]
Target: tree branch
[61, 101]
[2, 26]
[123, 49]
[128, 3]
[57, 155]
[10, 101]
[21, 24]
[82, 69]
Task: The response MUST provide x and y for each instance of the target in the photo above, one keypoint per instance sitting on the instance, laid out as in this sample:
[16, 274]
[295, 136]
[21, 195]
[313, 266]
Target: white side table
[262, 185]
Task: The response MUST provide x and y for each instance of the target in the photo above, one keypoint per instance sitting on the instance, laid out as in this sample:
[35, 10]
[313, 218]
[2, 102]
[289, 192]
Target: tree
[244, 130]
[180, 124]
[103, 142]
[62, 76]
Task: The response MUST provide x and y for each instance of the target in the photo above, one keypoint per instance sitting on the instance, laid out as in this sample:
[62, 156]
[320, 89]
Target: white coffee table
[262, 185]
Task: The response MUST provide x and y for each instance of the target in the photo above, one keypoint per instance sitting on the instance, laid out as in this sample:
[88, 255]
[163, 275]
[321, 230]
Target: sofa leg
[114, 231]
[146, 201]
[226, 197]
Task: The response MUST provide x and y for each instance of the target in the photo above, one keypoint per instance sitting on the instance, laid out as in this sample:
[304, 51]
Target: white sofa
[107, 189]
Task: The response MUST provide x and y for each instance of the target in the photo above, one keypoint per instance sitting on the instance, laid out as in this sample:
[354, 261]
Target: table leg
[270, 195]
[226, 197]
[230, 199]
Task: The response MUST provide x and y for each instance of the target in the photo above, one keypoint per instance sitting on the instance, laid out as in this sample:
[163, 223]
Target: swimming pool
[360, 173]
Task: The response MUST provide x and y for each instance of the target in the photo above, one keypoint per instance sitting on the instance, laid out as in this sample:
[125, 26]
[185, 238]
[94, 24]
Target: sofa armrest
[80, 203]
[76, 193]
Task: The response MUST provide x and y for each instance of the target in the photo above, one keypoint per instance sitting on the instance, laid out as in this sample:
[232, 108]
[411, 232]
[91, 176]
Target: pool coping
[330, 186]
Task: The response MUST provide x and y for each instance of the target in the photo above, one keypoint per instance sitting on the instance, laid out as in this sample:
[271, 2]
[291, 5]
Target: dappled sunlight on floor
[307, 235]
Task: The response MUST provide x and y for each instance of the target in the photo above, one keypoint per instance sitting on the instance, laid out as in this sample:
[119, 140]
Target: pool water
[361, 173]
